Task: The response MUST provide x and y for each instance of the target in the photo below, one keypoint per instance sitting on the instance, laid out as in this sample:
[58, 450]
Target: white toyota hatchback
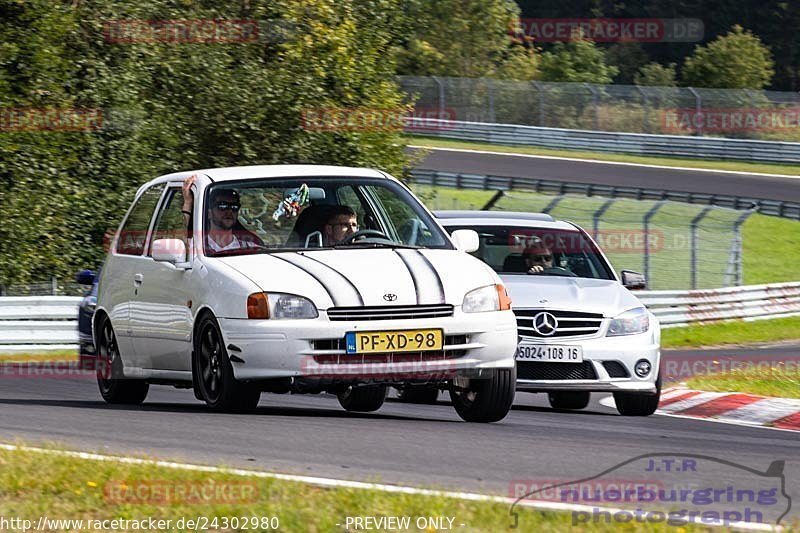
[581, 329]
[246, 292]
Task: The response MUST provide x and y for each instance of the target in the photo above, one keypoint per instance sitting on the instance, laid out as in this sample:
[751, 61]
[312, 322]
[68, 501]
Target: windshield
[255, 216]
[545, 252]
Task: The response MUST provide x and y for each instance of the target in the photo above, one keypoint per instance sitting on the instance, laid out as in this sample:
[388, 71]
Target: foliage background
[169, 107]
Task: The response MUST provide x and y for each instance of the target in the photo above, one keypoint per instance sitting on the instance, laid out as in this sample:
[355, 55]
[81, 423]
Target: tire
[421, 395]
[364, 399]
[486, 399]
[633, 404]
[114, 388]
[568, 400]
[214, 373]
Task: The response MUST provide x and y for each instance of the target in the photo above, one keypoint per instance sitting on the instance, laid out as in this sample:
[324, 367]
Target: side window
[133, 235]
[170, 223]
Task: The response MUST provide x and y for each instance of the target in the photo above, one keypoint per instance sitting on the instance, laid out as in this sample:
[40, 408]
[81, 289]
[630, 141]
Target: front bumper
[267, 349]
[603, 357]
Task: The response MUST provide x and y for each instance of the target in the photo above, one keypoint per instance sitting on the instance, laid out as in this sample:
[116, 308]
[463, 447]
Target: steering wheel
[559, 271]
[363, 234]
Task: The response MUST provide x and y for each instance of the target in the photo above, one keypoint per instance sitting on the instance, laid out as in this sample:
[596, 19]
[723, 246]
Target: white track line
[601, 162]
[342, 483]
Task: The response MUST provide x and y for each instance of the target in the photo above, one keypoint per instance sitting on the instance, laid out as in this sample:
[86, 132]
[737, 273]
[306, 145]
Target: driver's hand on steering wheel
[536, 269]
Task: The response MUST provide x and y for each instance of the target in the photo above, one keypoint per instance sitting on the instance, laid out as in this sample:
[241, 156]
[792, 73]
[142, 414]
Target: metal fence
[38, 323]
[31, 324]
[53, 287]
[754, 302]
[676, 246]
[736, 113]
[617, 142]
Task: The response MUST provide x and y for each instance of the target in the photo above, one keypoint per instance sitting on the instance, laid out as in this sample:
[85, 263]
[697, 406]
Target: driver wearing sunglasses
[225, 231]
[538, 257]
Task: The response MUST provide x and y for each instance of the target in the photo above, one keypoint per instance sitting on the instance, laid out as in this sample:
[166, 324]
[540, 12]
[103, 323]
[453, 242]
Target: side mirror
[466, 240]
[633, 280]
[169, 250]
[86, 277]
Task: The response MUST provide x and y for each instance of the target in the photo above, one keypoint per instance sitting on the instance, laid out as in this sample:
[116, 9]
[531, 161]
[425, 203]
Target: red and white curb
[731, 407]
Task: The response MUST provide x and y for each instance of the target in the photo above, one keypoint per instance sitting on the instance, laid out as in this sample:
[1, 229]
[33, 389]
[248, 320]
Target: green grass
[34, 484]
[734, 332]
[771, 245]
[54, 355]
[771, 250]
[780, 382]
[741, 166]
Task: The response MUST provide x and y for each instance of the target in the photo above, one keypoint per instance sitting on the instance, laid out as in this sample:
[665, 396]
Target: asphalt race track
[418, 445]
[624, 175]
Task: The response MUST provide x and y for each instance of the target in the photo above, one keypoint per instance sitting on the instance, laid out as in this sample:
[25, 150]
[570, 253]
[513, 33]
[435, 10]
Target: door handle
[138, 279]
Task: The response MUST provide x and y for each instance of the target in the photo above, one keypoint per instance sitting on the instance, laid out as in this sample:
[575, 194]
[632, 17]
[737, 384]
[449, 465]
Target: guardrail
[748, 302]
[603, 141]
[38, 323]
[504, 183]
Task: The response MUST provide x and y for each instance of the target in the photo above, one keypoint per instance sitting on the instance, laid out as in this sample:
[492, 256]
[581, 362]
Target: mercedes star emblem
[545, 324]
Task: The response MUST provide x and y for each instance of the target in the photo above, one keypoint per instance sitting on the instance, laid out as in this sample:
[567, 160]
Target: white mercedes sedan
[301, 279]
[581, 329]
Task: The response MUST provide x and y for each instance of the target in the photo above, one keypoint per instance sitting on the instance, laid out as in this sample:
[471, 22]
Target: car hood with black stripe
[371, 277]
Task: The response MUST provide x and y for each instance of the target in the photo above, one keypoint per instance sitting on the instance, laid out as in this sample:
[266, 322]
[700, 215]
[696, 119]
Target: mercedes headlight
[277, 305]
[489, 298]
[629, 323]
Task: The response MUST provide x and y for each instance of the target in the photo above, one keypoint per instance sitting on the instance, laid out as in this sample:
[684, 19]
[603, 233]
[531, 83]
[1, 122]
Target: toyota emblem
[389, 297]
[545, 324]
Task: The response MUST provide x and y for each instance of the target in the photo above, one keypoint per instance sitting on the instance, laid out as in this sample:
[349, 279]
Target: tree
[577, 60]
[738, 60]
[657, 75]
[466, 38]
[174, 106]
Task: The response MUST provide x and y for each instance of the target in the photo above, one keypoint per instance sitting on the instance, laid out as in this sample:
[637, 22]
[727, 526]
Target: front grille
[555, 371]
[390, 312]
[615, 369]
[339, 344]
[570, 323]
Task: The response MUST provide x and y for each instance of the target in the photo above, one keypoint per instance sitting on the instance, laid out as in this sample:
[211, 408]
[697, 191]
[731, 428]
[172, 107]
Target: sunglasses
[545, 257]
[223, 206]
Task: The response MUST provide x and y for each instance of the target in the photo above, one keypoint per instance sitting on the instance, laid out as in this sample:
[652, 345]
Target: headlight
[629, 323]
[277, 305]
[489, 298]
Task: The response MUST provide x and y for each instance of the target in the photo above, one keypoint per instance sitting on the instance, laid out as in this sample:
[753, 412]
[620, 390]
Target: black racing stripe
[358, 293]
[435, 273]
[411, 272]
[330, 294]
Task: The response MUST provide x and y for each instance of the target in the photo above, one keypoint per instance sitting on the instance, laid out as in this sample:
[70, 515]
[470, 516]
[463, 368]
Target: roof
[501, 218]
[273, 171]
